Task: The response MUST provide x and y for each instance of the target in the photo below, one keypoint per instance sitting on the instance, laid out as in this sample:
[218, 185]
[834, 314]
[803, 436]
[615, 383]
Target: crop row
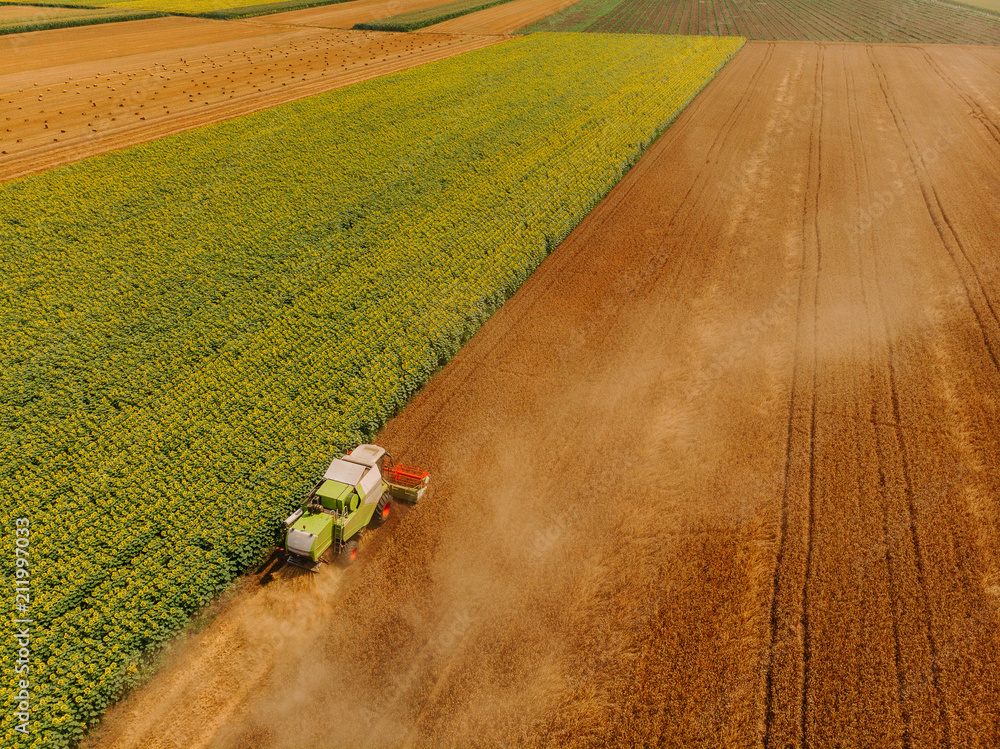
[195, 325]
[856, 20]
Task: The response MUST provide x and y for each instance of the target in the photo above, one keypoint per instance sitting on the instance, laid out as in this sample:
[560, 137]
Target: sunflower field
[194, 326]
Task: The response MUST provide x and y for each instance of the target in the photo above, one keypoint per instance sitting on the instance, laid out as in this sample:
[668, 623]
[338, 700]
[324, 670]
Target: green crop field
[195, 325]
[211, 8]
[33, 18]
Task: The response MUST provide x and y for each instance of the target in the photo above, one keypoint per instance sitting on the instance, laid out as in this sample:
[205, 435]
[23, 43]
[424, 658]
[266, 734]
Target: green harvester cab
[356, 493]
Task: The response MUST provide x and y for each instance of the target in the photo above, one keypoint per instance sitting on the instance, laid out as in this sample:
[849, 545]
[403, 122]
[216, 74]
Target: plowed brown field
[723, 473]
[166, 75]
[814, 20]
[502, 19]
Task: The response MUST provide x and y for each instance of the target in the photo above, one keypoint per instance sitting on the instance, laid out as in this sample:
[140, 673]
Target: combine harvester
[356, 493]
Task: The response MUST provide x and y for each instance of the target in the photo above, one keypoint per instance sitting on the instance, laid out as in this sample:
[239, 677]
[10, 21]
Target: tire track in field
[986, 62]
[936, 531]
[908, 519]
[486, 347]
[910, 523]
[786, 679]
[722, 143]
[783, 535]
[986, 109]
[945, 229]
[925, 710]
[891, 573]
[817, 178]
[850, 601]
[862, 179]
[968, 95]
[991, 127]
[788, 726]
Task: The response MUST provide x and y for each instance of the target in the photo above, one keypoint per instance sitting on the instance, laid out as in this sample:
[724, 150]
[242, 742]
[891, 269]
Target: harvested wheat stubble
[68, 112]
[889, 543]
[723, 473]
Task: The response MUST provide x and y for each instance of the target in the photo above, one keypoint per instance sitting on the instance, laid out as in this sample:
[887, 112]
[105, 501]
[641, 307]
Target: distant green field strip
[574, 18]
[418, 19]
[207, 8]
[55, 4]
[82, 4]
[87, 17]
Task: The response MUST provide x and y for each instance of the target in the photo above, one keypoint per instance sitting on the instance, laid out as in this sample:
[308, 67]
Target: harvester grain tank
[356, 493]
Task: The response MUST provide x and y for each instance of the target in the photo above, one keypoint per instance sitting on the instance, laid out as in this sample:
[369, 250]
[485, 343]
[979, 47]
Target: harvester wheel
[348, 553]
[382, 511]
